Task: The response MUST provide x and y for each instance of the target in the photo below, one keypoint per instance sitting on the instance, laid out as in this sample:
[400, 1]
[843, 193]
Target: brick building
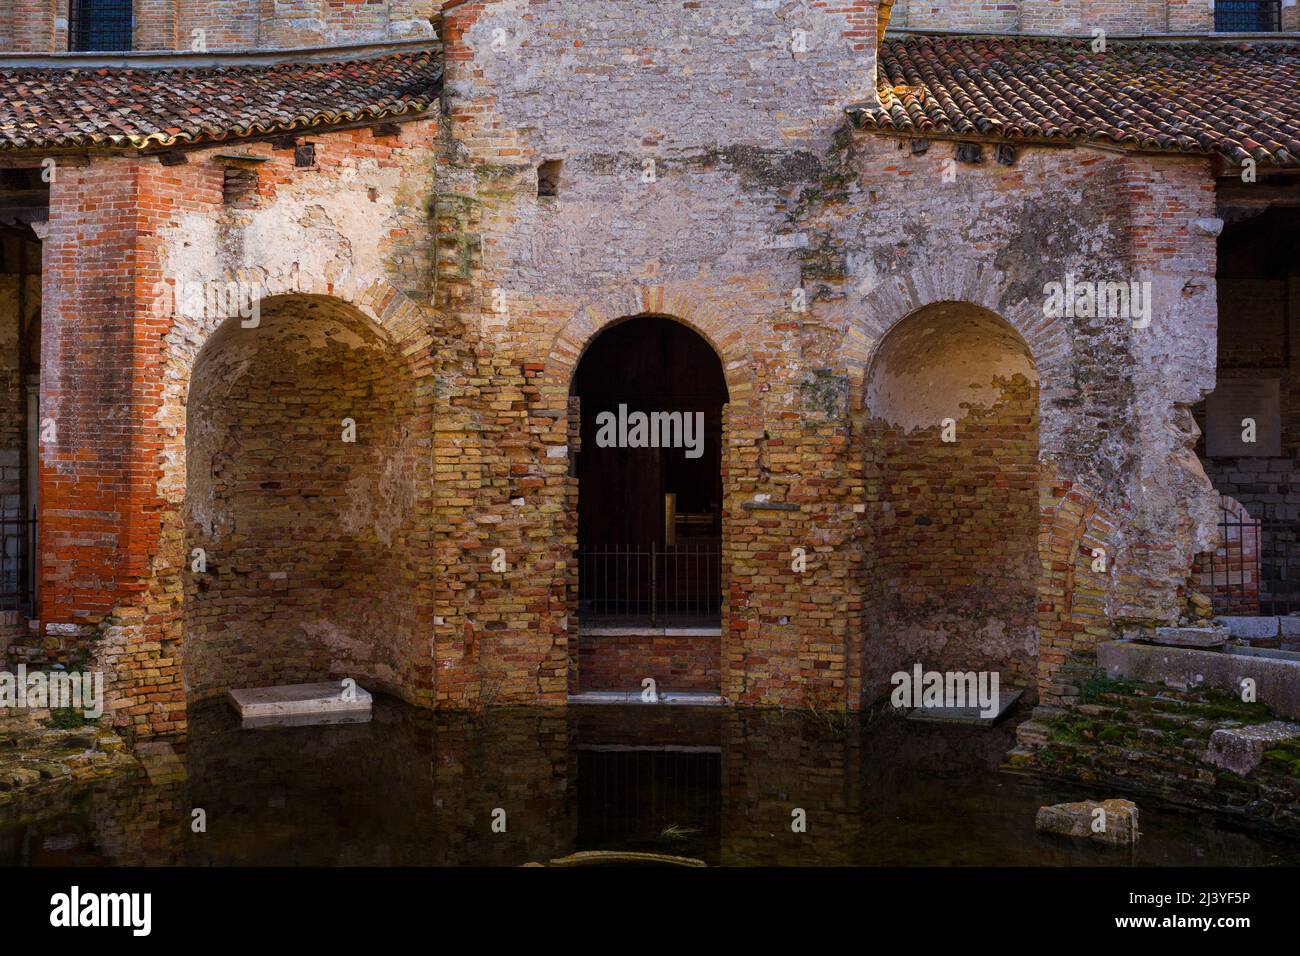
[308, 312]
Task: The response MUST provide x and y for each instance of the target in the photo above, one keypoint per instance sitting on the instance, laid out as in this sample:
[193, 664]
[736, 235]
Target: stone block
[1250, 628]
[1115, 825]
[1196, 637]
[1241, 749]
[1277, 679]
[261, 706]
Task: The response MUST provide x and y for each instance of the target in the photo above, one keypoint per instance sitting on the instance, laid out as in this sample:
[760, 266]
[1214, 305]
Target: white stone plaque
[1231, 407]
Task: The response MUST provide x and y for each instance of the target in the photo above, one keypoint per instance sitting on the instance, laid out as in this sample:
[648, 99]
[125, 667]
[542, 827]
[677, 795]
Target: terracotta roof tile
[1236, 99]
[50, 108]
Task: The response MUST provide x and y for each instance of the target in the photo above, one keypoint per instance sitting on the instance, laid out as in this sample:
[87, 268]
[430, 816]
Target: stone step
[298, 704]
[967, 715]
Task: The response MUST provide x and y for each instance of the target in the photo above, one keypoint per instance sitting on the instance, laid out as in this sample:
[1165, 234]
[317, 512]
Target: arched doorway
[953, 443]
[649, 392]
[305, 501]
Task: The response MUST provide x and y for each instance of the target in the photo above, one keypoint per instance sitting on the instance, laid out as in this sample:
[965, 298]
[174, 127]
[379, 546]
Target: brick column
[1190, 16]
[32, 21]
[155, 26]
[101, 384]
[1051, 16]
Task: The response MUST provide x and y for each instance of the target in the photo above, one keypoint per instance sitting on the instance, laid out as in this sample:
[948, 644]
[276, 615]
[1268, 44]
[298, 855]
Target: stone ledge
[299, 703]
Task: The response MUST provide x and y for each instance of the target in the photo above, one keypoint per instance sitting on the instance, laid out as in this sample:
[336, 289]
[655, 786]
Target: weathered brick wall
[709, 202]
[40, 26]
[1230, 574]
[271, 24]
[956, 538]
[1134, 16]
[96, 451]
[312, 564]
[991, 15]
[1190, 16]
[846, 219]
[30, 25]
[118, 351]
[1062, 16]
[1052, 16]
[674, 661]
[702, 243]
[892, 235]
[155, 26]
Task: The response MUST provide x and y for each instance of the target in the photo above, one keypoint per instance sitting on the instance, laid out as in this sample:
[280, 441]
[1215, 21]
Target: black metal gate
[17, 563]
[626, 585]
[1256, 568]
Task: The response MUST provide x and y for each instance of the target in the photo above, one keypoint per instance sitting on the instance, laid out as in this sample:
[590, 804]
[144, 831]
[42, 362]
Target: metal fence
[655, 585]
[17, 567]
[1247, 16]
[99, 25]
[1256, 568]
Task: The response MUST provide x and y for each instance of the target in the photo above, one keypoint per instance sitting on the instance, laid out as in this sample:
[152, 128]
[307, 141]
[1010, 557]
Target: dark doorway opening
[650, 518]
[1250, 424]
[24, 212]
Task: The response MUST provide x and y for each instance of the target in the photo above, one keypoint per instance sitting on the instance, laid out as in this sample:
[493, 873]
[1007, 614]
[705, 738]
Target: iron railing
[1256, 568]
[17, 563]
[1247, 16]
[99, 25]
[654, 585]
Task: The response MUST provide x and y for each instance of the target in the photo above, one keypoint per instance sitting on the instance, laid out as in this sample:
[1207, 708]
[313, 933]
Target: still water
[721, 786]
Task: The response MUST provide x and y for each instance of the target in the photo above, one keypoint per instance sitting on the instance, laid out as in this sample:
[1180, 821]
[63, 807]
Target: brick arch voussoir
[1073, 524]
[573, 339]
[897, 297]
[397, 318]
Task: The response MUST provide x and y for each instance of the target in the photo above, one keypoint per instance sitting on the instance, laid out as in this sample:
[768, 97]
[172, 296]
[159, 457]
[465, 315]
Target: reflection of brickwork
[713, 784]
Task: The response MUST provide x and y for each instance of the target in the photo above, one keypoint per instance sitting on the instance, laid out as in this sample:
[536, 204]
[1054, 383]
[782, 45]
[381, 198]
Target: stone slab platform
[297, 704]
[966, 715]
[687, 698]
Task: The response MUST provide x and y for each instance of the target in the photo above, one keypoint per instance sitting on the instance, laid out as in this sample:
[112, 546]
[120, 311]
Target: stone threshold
[966, 715]
[683, 698]
[649, 632]
[300, 704]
